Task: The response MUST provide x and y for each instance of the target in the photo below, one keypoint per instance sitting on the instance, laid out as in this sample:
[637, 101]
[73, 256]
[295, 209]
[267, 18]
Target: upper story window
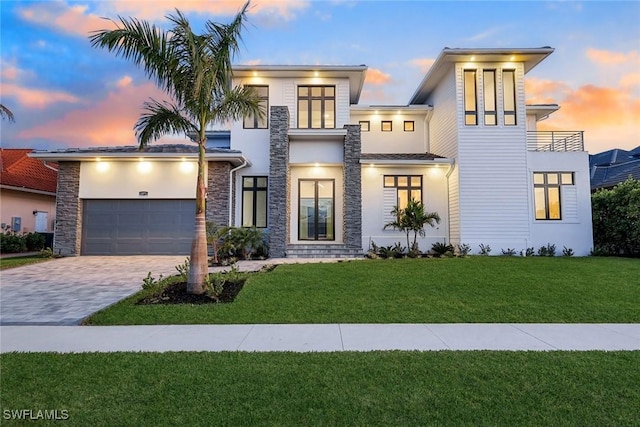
[386, 126]
[509, 95]
[409, 126]
[546, 189]
[489, 94]
[316, 107]
[255, 121]
[470, 98]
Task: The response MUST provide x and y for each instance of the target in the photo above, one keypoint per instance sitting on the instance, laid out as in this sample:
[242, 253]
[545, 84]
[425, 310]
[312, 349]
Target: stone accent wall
[352, 188]
[68, 229]
[218, 193]
[279, 187]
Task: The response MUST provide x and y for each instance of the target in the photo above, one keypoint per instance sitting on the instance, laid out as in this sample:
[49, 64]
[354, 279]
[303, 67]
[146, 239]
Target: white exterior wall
[574, 230]
[124, 180]
[434, 196]
[492, 169]
[396, 141]
[317, 172]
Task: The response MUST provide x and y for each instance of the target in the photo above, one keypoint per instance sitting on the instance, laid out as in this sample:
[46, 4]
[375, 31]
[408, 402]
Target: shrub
[398, 251]
[440, 249]
[616, 219]
[463, 250]
[567, 251]
[34, 241]
[46, 253]
[530, 251]
[508, 252]
[549, 250]
[183, 269]
[150, 282]
[11, 242]
[485, 250]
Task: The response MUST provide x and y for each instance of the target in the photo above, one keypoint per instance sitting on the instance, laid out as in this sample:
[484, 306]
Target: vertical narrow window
[365, 125]
[254, 201]
[546, 192]
[316, 211]
[509, 97]
[256, 121]
[316, 107]
[489, 93]
[407, 186]
[470, 98]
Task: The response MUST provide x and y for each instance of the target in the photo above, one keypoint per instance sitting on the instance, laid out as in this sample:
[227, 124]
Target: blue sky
[64, 93]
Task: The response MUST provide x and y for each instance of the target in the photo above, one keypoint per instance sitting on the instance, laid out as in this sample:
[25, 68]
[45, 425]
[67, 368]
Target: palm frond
[6, 113]
[236, 103]
[160, 119]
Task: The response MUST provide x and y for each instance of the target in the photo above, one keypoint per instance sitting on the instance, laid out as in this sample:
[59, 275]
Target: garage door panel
[137, 227]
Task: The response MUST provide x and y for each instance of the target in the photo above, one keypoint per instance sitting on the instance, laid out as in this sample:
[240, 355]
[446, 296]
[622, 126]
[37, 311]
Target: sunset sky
[64, 93]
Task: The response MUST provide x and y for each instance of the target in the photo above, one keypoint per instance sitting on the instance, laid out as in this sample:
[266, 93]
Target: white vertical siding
[493, 170]
[454, 207]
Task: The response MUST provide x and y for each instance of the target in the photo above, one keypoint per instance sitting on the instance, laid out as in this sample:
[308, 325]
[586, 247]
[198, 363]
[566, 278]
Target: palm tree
[413, 218]
[195, 71]
[6, 113]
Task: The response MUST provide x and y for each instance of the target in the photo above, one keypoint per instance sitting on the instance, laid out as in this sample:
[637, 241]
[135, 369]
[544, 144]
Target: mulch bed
[176, 293]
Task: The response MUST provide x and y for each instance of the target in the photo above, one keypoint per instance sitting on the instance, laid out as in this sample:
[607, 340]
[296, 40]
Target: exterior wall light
[144, 167]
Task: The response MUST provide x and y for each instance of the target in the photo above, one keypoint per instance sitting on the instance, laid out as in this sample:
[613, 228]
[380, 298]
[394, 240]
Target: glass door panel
[316, 212]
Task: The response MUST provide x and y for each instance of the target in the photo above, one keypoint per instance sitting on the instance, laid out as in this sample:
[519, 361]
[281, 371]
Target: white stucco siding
[374, 208]
[316, 151]
[317, 172]
[574, 230]
[125, 180]
[396, 141]
[443, 126]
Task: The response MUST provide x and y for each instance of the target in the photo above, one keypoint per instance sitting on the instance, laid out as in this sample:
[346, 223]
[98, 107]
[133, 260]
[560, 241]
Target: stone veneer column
[68, 228]
[278, 219]
[218, 193]
[352, 188]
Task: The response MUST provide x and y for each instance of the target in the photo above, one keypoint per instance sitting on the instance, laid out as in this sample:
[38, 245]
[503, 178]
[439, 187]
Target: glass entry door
[316, 209]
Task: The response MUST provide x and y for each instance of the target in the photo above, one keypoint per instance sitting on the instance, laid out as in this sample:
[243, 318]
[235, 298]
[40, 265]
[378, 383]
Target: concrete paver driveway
[64, 291]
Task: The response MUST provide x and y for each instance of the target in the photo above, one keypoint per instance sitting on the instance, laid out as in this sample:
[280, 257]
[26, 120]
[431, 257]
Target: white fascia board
[27, 190]
[233, 158]
[387, 162]
[541, 111]
[402, 108]
[338, 134]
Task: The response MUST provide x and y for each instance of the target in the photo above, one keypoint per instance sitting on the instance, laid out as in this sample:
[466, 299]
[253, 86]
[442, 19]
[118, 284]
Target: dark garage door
[137, 227]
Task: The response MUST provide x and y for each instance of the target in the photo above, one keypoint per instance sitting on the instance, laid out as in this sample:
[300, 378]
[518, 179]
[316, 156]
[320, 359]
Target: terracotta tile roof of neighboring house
[400, 156]
[612, 167]
[21, 171]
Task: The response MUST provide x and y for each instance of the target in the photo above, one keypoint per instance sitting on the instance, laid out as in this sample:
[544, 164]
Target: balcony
[555, 141]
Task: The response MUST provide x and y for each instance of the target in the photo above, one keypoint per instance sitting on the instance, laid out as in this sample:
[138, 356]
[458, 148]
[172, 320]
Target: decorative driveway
[64, 291]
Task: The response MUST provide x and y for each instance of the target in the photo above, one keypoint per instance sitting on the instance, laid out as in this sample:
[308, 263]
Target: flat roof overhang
[541, 111]
[236, 159]
[448, 57]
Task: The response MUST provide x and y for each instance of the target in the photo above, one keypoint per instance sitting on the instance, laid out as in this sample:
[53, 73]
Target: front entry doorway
[316, 213]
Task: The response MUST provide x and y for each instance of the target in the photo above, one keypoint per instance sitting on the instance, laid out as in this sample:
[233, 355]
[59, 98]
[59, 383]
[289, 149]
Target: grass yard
[470, 290]
[367, 389]
[19, 261]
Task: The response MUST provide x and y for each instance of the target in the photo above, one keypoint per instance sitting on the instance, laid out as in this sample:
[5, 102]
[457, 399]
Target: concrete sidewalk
[320, 337]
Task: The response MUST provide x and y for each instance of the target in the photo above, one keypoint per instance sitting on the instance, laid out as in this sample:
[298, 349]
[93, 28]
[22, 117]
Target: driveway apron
[64, 291]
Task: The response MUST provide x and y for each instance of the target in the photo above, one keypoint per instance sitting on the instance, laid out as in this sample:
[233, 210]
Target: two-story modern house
[322, 173]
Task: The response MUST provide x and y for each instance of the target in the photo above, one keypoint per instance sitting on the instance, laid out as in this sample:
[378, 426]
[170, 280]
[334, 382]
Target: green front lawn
[366, 389]
[475, 290]
[18, 261]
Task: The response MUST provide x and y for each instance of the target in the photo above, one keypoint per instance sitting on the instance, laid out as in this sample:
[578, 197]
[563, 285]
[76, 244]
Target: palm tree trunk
[199, 266]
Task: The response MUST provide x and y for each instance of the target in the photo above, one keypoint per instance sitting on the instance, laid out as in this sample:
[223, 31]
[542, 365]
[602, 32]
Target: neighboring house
[28, 192]
[612, 167]
[322, 173]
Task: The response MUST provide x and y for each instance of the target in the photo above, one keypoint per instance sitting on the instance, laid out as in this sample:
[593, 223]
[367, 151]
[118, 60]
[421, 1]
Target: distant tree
[5, 113]
[616, 219]
[195, 71]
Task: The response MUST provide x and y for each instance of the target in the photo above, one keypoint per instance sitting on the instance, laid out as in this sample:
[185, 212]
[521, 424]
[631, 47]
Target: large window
[509, 97]
[316, 209]
[316, 107]
[547, 197]
[470, 98]
[254, 201]
[489, 94]
[255, 121]
[407, 187]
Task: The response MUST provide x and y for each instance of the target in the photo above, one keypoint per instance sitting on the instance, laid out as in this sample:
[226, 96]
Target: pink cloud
[65, 18]
[606, 57]
[124, 82]
[10, 72]
[376, 77]
[36, 98]
[424, 63]
[107, 123]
